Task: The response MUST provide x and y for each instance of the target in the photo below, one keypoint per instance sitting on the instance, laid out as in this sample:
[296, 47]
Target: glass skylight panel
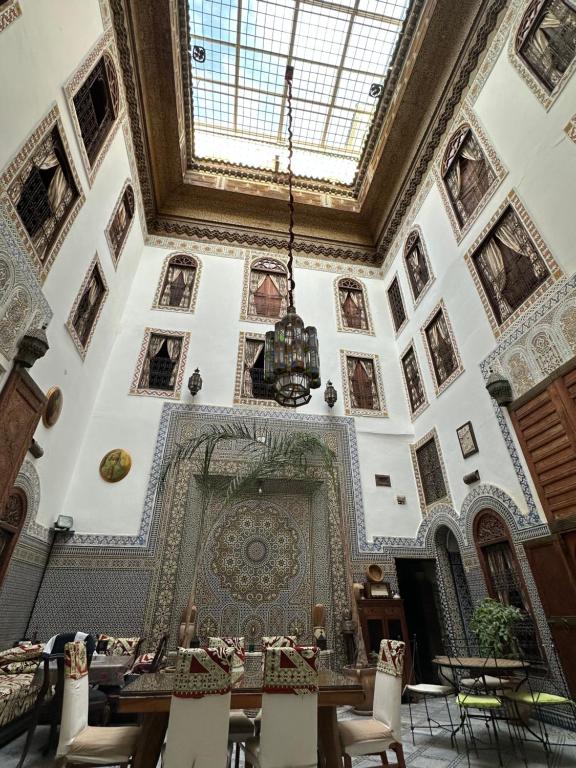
[340, 50]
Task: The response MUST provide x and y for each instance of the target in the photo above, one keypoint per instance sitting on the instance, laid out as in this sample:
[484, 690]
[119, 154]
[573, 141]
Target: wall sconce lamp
[330, 394]
[195, 383]
[499, 388]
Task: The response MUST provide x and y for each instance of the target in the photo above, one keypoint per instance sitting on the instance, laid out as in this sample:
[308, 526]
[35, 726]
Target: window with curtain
[546, 39]
[414, 385]
[352, 304]
[89, 305]
[396, 304]
[430, 471]
[160, 367]
[416, 264]
[466, 172]
[178, 286]
[509, 266]
[362, 384]
[121, 222]
[268, 290]
[253, 385]
[96, 104]
[442, 352]
[46, 193]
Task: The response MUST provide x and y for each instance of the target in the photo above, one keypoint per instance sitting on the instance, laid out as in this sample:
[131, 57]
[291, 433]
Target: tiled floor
[429, 751]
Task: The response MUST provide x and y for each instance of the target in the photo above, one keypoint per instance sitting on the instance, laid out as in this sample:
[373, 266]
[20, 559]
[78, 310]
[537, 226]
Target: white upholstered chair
[383, 730]
[200, 708]
[288, 730]
[80, 743]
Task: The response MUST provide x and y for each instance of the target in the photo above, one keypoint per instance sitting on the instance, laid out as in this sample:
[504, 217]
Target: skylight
[341, 52]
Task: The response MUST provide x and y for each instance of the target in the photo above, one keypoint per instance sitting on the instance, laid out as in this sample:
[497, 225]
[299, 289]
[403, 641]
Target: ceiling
[210, 136]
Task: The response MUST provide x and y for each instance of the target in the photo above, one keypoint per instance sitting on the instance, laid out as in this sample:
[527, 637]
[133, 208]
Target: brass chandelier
[291, 355]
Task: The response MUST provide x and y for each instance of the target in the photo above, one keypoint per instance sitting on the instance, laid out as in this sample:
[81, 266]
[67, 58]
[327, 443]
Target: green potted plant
[493, 623]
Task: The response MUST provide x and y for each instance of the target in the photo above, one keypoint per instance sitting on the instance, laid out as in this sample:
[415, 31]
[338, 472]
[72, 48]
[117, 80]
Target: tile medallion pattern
[447, 499]
[467, 116]
[104, 47]
[555, 271]
[115, 255]
[341, 327]
[95, 266]
[439, 388]
[9, 12]
[422, 407]
[416, 235]
[545, 97]
[160, 285]
[349, 408]
[136, 389]
[9, 189]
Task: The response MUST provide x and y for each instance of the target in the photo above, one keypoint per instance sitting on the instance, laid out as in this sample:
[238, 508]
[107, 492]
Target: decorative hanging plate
[115, 465]
[53, 407]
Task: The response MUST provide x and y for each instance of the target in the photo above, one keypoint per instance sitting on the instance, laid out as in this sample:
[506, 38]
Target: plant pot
[366, 676]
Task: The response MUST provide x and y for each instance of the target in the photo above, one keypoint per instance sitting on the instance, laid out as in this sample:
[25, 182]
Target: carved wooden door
[12, 517]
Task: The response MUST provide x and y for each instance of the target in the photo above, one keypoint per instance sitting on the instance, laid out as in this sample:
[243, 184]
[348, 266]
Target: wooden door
[21, 405]
[12, 517]
[546, 429]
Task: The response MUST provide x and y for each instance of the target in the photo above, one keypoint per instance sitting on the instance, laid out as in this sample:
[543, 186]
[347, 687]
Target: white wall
[38, 53]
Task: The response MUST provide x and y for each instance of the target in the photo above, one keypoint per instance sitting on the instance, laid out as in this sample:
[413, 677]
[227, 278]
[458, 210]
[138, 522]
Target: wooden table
[151, 694]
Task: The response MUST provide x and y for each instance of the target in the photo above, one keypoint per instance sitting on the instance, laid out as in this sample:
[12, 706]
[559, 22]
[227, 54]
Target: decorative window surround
[422, 407]
[9, 181]
[9, 12]
[156, 303]
[349, 410]
[83, 348]
[250, 260]
[544, 96]
[135, 388]
[427, 509]
[119, 203]
[555, 271]
[571, 129]
[439, 388]
[105, 45]
[342, 328]
[466, 115]
[415, 235]
[239, 398]
[397, 331]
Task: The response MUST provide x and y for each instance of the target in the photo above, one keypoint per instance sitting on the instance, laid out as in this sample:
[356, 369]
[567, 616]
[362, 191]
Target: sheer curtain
[507, 233]
[154, 346]
[58, 184]
[174, 346]
[252, 350]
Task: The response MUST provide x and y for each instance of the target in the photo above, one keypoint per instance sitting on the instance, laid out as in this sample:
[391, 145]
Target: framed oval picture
[53, 407]
[115, 465]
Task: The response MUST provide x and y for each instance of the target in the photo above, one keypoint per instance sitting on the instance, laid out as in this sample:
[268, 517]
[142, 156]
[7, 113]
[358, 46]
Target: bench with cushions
[19, 688]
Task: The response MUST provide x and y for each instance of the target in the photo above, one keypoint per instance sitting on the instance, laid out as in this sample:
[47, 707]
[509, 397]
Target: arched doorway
[457, 593]
[12, 518]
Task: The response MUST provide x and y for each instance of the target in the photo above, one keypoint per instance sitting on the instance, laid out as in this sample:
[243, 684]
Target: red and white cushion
[237, 646]
[278, 641]
[291, 670]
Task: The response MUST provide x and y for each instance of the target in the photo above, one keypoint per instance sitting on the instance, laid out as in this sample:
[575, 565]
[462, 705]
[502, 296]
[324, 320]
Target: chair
[278, 641]
[150, 662]
[199, 712]
[80, 743]
[288, 732]
[426, 690]
[383, 730]
[118, 646]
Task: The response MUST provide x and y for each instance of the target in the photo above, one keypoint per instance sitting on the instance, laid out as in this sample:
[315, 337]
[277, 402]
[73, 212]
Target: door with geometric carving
[12, 517]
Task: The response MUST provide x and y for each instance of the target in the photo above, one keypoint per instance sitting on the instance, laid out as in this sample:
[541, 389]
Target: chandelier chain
[291, 282]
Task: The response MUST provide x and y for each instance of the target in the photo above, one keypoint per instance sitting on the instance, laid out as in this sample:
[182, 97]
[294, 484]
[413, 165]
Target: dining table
[481, 664]
[150, 695]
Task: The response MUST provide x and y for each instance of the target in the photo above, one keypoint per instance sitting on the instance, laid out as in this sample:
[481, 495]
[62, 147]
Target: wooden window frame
[395, 284]
[368, 329]
[136, 389]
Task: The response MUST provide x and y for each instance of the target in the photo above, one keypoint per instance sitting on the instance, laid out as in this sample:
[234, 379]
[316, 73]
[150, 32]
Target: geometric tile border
[427, 509]
[165, 266]
[439, 388]
[9, 13]
[369, 330]
[349, 409]
[94, 266]
[555, 271]
[135, 389]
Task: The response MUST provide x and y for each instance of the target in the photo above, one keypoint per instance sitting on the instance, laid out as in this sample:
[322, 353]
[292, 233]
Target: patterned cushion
[202, 672]
[18, 654]
[143, 663]
[117, 646]
[20, 667]
[17, 696]
[278, 641]
[291, 670]
[237, 645]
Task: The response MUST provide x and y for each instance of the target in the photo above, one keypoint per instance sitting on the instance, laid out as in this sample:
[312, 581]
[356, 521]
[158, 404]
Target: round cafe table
[481, 664]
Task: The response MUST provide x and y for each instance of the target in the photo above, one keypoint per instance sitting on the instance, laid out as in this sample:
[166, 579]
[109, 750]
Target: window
[467, 174]
[253, 386]
[96, 104]
[430, 471]
[416, 265]
[12, 519]
[509, 266]
[87, 307]
[414, 386]
[396, 304]
[362, 384]
[119, 226]
[443, 355]
[352, 304]
[44, 193]
[268, 290]
[161, 363]
[179, 282]
[546, 39]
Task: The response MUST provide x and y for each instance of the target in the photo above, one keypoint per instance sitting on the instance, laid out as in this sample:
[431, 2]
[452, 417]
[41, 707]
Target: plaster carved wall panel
[9, 12]
[571, 129]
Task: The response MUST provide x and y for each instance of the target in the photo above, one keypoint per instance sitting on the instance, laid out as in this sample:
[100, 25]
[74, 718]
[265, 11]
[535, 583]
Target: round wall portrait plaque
[115, 465]
[53, 407]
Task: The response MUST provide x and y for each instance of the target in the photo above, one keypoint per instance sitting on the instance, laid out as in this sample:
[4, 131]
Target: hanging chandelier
[291, 356]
